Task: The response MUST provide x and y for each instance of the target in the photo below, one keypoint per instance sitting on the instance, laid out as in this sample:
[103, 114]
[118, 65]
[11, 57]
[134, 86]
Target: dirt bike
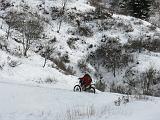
[79, 88]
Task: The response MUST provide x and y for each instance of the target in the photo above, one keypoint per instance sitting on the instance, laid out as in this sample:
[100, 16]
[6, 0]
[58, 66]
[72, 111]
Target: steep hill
[72, 33]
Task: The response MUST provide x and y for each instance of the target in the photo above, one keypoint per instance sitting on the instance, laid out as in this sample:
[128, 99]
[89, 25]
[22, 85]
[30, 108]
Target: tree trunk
[45, 61]
[8, 32]
[59, 28]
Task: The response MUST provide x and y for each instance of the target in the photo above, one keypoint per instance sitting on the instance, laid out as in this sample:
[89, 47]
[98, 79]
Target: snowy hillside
[46, 45]
[68, 46]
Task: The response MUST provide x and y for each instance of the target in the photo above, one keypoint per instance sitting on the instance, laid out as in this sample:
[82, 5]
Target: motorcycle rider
[85, 81]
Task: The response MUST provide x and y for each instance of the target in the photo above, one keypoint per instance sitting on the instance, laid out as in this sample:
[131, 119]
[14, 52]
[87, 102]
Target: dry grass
[90, 112]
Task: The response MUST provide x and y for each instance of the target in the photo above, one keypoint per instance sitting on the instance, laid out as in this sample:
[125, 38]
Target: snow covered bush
[77, 113]
[134, 46]
[152, 45]
[106, 24]
[28, 24]
[145, 83]
[82, 65]
[4, 4]
[50, 80]
[61, 64]
[122, 100]
[152, 27]
[65, 58]
[144, 42]
[118, 88]
[2, 64]
[85, 31]
[3, 43]
[55, 13]
[71, 41]
[127, 27]
[13, 63]
[100, 85]
[111, 55]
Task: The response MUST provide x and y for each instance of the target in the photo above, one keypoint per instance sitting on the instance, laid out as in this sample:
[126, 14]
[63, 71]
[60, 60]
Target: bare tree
[61, 14]
[32, 30]
[10, 18]
[149, 77]
[48, 51]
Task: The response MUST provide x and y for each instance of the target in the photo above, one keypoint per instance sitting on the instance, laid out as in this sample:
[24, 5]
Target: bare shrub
[89, 112]
[100, 85]
[13, 63]
[123, 26]
[101, 11]
[3, 43]
[68, 70]
[122, 100]
[71, 42]
[82, 65]
[60, 64]
[78, 113]
[65, 58]
[29, 25]
[48, 50]
[106, 24]
[144, 83]
[55, 13]
[111, 56]
[140, 97]
[95, 2]
[152, 27]
[118, 88]
[85, 31]
[134, 46]
[4, 4]
[152, 45]
[50, 80]
[2, 64]
[138, 22]
[128, 28]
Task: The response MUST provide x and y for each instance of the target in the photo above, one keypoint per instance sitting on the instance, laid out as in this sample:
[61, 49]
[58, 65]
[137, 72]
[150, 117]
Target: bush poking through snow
[50, 80]
[145, 83]
[71, 41]
[12, 63]
[100, 85]
[152, 27]
[77, 113]
[65, 58]
[123, 100]
[85, 31]
[68, 70]
[111, 56]
[2, 64]
[118, 89]
[3, 43]
[82, 65]
[29, 25]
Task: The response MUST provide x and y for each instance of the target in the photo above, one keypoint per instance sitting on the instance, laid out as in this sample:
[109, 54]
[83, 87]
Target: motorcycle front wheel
[77, 88]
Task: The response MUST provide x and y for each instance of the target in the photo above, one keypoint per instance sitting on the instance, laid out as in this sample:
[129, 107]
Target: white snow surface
[29, 102]
[26, 93]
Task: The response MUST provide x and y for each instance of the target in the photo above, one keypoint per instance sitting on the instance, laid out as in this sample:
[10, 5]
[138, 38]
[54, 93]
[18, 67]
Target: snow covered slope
[74, 46]
[30, 92]
[28, 102]
[30, 70]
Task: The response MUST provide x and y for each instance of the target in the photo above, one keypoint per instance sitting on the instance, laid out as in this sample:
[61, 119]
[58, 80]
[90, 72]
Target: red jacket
[86, 79]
